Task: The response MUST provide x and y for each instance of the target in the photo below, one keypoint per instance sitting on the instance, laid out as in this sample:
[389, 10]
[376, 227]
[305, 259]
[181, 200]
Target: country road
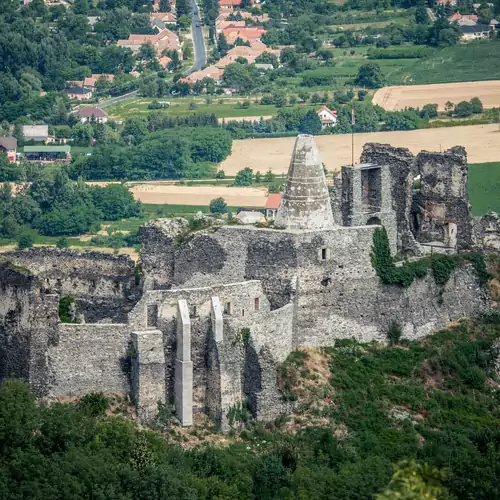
[200, 53]
[200, 56]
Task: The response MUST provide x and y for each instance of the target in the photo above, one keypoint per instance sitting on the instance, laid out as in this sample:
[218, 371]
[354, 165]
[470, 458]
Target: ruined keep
[208, 316]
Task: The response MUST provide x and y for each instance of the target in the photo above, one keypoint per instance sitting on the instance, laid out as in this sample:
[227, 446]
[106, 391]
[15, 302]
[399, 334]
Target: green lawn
[459, 63]
[484, 187]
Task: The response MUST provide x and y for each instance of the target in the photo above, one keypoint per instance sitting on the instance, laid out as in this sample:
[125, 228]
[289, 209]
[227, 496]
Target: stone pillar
[148, 373]
[217, 320]
[183, 367]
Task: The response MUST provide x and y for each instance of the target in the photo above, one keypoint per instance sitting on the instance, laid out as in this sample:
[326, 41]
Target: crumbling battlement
[104, 286]
[429, 197]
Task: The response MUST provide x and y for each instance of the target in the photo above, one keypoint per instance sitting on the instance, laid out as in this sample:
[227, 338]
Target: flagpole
[352, 136]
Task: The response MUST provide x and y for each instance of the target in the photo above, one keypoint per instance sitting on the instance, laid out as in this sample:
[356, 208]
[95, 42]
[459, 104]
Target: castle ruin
[207, 318]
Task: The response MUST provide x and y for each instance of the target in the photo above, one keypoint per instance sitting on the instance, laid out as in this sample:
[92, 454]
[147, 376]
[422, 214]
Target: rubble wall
[105, 286]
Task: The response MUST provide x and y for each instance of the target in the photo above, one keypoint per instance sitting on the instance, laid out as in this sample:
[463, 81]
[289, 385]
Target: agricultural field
[481, 141]
[163, 193]
[416, 96]
[222, 107]
[459, 63]
[484, 187]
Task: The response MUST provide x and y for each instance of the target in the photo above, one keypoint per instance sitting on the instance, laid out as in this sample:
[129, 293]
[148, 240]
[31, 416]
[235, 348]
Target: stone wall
[158, 240]
[104, 286]
[90, 358]
[443, 201]
[402, 172]
[486, 232]
[28, 322]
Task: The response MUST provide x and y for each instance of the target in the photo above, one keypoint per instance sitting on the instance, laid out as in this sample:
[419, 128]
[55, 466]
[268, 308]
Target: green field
[221, 107]
[459, 63]
[484, 187]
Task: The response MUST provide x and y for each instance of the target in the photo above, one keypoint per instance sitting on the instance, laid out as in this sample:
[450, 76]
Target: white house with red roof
[327, 117]
[272, 204]
[92, 113]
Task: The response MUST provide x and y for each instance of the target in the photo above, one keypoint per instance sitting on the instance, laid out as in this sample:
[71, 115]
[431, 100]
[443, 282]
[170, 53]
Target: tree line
[56, 206]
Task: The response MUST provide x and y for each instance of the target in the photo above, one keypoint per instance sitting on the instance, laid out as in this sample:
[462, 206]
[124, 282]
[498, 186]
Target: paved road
[200, 53]
[115, 100]
[432, 16]
[200, 56]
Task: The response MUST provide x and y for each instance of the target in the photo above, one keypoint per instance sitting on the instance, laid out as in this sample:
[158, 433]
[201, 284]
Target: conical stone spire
[306, 202]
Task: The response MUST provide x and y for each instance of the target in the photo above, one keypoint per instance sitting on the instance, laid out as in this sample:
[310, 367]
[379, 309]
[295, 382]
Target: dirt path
[398, 98]
[481, 141]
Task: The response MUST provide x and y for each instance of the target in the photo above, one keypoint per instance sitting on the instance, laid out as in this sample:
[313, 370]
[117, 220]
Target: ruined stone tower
[306, 202]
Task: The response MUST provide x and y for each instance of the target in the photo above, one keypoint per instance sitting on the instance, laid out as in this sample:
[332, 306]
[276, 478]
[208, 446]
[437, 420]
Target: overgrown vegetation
[441, 265]
[427, 409]
[66, 309]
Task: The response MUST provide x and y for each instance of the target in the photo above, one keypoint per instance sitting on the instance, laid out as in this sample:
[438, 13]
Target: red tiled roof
[90, 111]
[273, 201]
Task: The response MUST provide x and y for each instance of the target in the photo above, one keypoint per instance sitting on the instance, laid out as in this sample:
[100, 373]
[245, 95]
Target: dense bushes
[57, 206]
[165, 154]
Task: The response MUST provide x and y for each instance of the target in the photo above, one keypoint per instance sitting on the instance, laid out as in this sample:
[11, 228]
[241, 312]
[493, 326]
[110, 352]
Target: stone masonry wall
[28, 321]
[90, 358]
[104, 286]
[443, 197]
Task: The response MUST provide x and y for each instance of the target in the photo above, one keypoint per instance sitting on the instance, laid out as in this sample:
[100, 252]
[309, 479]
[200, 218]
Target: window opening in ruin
[371, 190]
[323, 254]
[152, 315]
[243, 312]
[257, 303]
[227, 308]
[194, 311]
[373, 221]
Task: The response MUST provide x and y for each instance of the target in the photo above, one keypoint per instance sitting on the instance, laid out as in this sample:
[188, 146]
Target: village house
[90, 81]
[476, 32]
[212, 72]
[164, 40]
[37, 133]
[79, 93]
[327, 117]
[272, 204]
[92, 114]
[163, 61]
[8, 145]
[159, 20]
[228, 24]
[246, 34]
[229, 4]
[457, 17]
[248, 53]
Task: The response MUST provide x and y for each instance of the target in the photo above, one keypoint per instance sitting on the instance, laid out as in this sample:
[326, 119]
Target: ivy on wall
[441, 265]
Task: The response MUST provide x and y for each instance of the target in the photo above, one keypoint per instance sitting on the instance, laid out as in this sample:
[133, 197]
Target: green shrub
[65, 305]
[94, 404]
[442, 266]
[394, 332]
[25, 241]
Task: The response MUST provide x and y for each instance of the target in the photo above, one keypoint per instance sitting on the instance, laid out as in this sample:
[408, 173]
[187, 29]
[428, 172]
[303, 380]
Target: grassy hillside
[484, 187]
[459, 63]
